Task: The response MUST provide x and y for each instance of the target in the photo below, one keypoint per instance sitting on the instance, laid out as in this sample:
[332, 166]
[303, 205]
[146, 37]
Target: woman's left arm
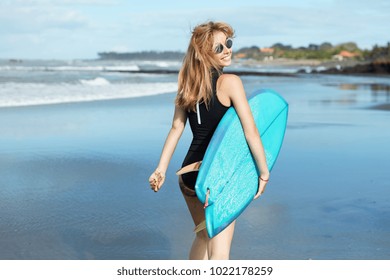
[232, 87]
[178, 123]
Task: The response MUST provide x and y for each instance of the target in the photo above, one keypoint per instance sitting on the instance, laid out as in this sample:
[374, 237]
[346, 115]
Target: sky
[79, 29]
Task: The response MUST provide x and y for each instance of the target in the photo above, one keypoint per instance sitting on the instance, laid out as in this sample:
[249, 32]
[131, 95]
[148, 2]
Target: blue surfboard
[228, 172]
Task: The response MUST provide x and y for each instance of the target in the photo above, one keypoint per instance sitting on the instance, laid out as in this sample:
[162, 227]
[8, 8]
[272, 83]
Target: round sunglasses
[228, 44]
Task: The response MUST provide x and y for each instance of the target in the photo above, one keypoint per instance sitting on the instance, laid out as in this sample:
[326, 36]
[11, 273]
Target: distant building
[240, 55]
[267, 50]
[345, 55]
[267, 53]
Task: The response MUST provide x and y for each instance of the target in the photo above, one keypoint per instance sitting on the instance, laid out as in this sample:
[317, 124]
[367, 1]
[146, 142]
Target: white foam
[122, 68]
[161, 63]
[95, 82]
[28, 94]
[166, 64]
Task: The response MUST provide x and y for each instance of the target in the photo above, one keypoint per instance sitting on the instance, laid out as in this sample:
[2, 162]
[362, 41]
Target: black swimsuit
[202, 132]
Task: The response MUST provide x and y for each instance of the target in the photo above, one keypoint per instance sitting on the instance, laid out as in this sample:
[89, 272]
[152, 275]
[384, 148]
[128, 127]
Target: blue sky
[72, 29]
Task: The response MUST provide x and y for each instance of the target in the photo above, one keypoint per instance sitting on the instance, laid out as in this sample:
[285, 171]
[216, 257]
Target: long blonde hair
[194, 82]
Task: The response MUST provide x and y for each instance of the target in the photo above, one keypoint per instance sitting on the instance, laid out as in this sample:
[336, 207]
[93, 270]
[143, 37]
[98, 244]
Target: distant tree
[349, 46]
[326, 46]
[278, 45]
[281, 46]
[379, 53]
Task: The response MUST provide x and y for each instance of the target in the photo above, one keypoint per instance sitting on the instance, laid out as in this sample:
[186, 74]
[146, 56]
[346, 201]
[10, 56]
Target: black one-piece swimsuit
[202, 132]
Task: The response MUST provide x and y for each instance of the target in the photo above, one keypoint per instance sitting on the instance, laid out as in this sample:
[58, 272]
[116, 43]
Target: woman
[204, 95]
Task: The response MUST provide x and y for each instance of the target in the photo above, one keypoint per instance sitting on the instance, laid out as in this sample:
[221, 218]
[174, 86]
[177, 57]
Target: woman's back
[203, 125]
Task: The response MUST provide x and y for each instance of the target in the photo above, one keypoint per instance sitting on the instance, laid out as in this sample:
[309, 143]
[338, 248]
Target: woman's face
[223, 57]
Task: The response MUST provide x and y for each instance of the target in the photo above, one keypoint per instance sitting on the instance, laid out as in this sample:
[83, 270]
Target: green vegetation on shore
[324, 51]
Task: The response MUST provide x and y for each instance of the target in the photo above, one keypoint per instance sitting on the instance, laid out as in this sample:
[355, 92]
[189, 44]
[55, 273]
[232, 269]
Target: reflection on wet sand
[380, 93]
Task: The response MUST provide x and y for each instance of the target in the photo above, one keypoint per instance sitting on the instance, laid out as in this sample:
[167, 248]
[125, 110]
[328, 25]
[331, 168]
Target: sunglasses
[228, 44]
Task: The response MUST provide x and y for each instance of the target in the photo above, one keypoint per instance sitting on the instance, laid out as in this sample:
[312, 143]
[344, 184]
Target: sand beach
[73, 177]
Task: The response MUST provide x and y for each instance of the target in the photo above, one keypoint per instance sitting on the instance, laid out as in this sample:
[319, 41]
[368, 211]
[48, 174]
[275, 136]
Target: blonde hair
[194, 82]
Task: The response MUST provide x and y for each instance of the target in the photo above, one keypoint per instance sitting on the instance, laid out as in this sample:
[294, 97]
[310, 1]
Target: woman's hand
[263, 180]
[156, 180]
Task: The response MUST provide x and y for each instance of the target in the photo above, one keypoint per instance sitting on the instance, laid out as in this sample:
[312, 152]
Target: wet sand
[73, 178]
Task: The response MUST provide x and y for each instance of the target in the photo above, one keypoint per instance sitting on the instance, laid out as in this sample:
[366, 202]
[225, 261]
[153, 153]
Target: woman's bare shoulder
[229, 79]
[230, 84]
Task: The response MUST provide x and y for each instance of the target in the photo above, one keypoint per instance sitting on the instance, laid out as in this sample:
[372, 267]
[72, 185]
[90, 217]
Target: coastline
[349, 67]
[278, 62]
[251, 67]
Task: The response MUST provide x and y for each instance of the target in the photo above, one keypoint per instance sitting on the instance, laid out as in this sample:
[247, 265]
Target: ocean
[79, 140]
[52, 82]
[38, 82]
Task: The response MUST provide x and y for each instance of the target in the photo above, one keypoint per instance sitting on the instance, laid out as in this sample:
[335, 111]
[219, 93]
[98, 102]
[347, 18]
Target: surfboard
[228, 176]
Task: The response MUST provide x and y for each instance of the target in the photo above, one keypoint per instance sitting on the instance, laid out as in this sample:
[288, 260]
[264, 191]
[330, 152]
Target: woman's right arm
[178, 124]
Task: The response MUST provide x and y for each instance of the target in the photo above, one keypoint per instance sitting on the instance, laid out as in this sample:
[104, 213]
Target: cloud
[85, 27]
[33, 19]
[302, 25]
[29, 30]
[69, 19]
[261, 25]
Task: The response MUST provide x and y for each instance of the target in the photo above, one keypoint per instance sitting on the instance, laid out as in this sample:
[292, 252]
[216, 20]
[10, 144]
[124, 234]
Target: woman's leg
[199, 245]
[203, 247]
[219, 246]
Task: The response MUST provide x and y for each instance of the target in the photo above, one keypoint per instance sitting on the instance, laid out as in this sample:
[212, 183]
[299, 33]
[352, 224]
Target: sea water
[37, 82]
